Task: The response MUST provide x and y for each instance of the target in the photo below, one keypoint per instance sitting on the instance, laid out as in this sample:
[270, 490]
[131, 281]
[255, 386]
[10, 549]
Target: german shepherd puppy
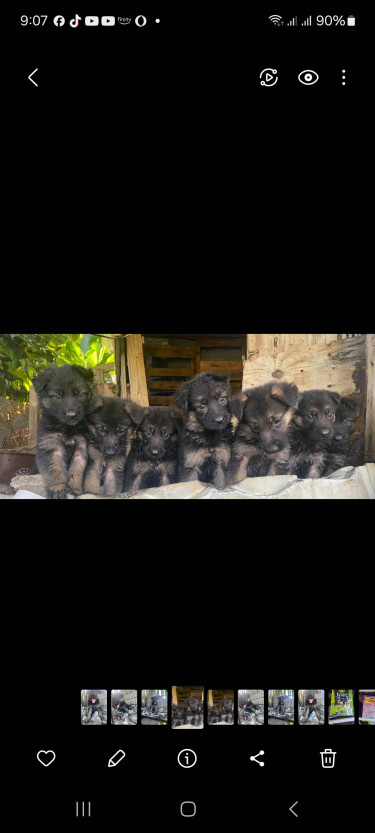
[261, 444]
[338, 448]
[313, 431]
[61, 457]
[152, 460]
[207, 431]
[111, 429]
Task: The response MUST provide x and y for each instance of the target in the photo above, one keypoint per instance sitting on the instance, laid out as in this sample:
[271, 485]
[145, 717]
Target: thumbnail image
[311, 707]
[340, 706]
[251, 707]
[94, 706]
[366, 707]
[220, 707]
[187, 707]
[281, 707]
[124, 707]
[154, 703]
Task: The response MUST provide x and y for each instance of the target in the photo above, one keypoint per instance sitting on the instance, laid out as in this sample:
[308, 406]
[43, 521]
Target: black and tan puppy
[152, 460]
[313, 431]
[207, 431]
[261, 443]
[111, 429]
[61, 458]
[338, 448]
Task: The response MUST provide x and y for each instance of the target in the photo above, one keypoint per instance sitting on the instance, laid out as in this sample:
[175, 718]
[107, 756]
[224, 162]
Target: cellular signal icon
[276, 19]
[293, 22]
[307, 22]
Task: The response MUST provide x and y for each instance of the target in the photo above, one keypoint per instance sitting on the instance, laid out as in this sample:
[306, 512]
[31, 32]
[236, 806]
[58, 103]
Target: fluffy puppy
[152, 460]
[207, 431]
[338, 448]
[313, 431]
[111, 428]
[64, 395]
[261, 444]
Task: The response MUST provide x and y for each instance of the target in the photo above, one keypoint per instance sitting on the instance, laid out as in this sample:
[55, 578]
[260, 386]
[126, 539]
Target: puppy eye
[121, 431]
[254, 426]
[310, 417]
[330, 415]
[56, 396]
[346, 421]
[166, 435]
[223, 400]
[101, 429]
[277, 421]
[201, 407]
[148, 432]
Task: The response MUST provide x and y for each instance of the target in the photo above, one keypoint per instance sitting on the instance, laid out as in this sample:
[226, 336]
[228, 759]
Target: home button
[188, 809]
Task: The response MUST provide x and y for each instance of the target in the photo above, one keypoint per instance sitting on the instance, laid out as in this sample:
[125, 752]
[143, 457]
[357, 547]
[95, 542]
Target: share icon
[254, 758]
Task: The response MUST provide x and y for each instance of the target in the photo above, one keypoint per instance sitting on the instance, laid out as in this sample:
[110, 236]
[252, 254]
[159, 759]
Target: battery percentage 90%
[330, 20]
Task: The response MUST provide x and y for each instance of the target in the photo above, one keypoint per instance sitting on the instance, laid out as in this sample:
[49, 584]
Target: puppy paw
[57, 492]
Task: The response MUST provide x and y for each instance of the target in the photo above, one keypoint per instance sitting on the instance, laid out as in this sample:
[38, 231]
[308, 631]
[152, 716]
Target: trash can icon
[328, 759]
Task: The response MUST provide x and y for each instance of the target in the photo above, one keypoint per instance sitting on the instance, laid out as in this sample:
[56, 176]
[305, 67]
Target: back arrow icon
[31, 79]
[291, 809]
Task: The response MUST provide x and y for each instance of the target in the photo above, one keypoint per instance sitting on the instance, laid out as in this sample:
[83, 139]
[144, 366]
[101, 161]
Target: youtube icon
[91, 21]
[108, 21]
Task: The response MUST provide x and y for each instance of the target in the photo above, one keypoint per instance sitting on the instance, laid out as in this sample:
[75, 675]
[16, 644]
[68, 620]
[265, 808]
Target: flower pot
[11, 462]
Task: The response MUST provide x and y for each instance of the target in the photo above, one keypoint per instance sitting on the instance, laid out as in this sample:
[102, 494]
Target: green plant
[23, 355]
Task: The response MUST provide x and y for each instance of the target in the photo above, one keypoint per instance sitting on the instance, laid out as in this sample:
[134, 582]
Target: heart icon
[46, 758]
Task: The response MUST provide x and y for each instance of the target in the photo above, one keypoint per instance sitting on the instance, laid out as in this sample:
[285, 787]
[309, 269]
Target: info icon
[59, 20]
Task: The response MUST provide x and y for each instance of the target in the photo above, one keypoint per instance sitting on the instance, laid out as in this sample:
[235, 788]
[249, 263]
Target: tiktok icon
[75, 21]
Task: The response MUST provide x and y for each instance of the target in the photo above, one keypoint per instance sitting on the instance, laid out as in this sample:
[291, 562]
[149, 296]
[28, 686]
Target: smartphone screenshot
[185, 611]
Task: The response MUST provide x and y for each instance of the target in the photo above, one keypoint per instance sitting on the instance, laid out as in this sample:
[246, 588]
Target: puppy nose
[219, 419]
[325, 432]
[71, 413]
[155, 452]
[338, 436]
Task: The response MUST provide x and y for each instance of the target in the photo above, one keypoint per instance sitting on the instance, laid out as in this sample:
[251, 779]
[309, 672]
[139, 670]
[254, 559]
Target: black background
[192, 622]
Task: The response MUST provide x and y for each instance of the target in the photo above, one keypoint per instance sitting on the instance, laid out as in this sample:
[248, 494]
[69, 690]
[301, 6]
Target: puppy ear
[182, 397]
[335, 396]
[237, 405]
[95, 404]
[85, 372]
[135, 411]
[351, 409]
[286, 393]
[41, 380]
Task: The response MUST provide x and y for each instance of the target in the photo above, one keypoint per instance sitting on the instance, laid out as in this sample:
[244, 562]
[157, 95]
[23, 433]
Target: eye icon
[308, 77]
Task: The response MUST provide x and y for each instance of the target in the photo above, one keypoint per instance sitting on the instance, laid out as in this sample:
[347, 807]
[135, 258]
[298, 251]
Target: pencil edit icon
[117, 758]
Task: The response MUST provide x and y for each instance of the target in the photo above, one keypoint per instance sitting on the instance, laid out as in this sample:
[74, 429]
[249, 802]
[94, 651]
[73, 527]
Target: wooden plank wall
[284, 342]
[311, 361]
[370, 400]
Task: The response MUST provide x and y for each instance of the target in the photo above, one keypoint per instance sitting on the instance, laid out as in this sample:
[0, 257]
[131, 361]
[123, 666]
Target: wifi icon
[275, 18]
